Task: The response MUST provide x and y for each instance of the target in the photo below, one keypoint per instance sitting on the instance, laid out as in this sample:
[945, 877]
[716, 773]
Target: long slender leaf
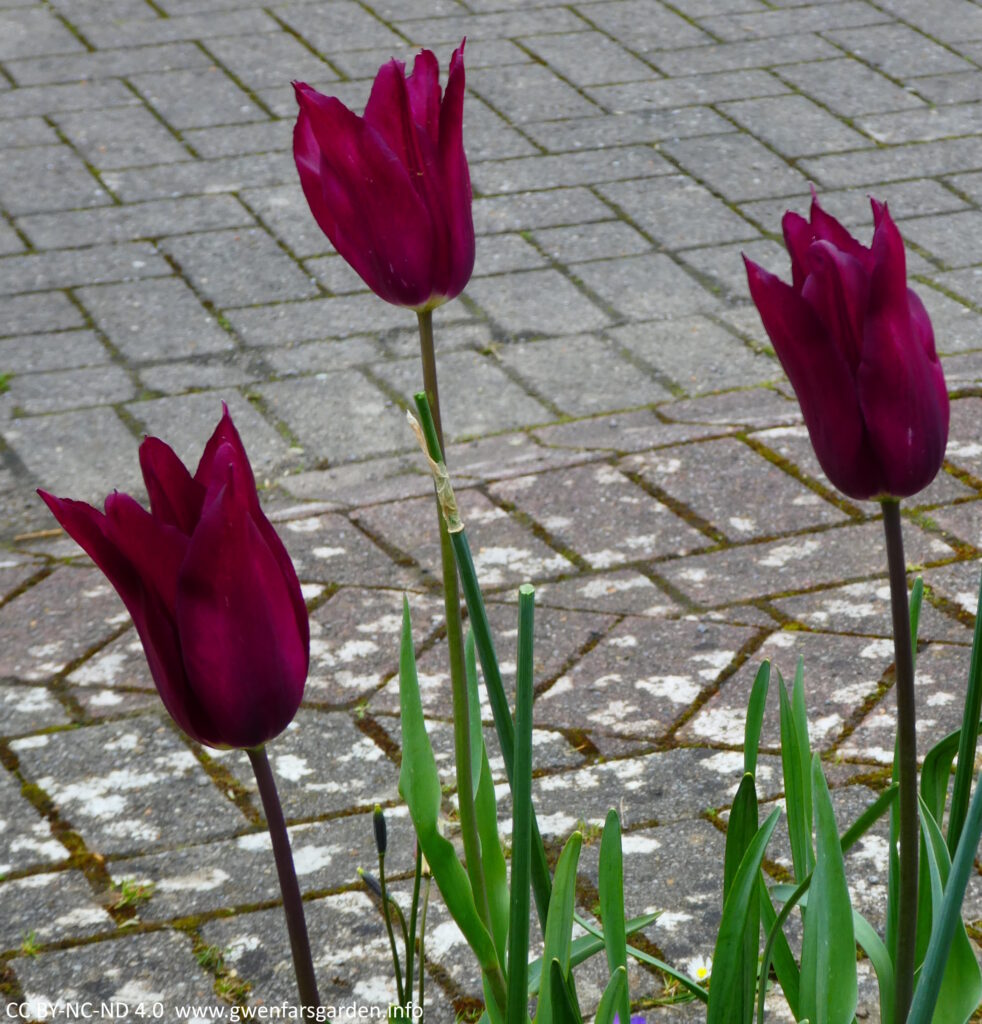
[611, 888]
[725, 1006]
[612, 998]
[961, 982]
[916, 599]
[795, 784]
[804, 750]
[755, 718]
[518, 937]
[559, 924]
[740, 831]
[969, 738]
[936, 773]
[585, 946]
[504, 726]
[564, 1008]
[778, 951]
[829, 985]
[419, 786]
[475, 726]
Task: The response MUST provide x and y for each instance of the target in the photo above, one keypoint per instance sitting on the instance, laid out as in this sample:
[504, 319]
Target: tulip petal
[901, 383]
[837, 289]
[363, 199]
[90, 529]
[822, 381]
[245, 659]
[424, 94]
[225, 448]
[456, 179]
[175, 496]
[798, 236]
[828, 229]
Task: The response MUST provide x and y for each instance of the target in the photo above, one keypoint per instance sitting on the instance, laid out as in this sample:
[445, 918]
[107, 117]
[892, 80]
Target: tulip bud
[391, 190]
[858, 348]
[378, 825]
[210, 587]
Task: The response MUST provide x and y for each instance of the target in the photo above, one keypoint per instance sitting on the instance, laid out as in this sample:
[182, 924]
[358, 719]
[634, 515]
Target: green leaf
[475, 726]
[559, 923]
[755, 717]
[740, 830]
[419, 786]
[969, 738]
[725, 991]
[778, 951]
[916, 599]
[613, 998]
[961, 983]
[936, 773]
[564, 1009]
[804, 749]
[829, 987]
[518, 937]
[611, 886]
[795, 785]
[585, 946]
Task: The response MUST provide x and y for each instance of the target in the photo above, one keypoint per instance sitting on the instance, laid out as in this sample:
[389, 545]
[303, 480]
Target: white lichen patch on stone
[310, 859]
[637, 842]
[694, 574]
[78, 917]
[677, 689]
[326, 553]
[878, 650]
[304, 525]
[28, 700]
[623, 641]
[604, 558]
[724, 725]
[874, 849]
[936, 700]
[782, 554]
[390, 624]
[716, 660]
[616, 714]
[105, 699]
[134, 992]
[556, 522]
[291, 767]
[29, 742]
[742, 524]
[783, 639]
[202, 880]
[308, 591]
[100, 796]
[669, 920]
[601, 586]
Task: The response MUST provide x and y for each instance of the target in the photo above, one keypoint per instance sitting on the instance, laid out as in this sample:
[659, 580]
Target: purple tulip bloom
[391, 190]
[210, 587]
[858, 347]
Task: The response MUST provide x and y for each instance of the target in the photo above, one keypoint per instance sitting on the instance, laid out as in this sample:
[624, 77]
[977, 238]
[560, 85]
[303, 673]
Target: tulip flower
[210, 587]
[391, 190]
[858, 347]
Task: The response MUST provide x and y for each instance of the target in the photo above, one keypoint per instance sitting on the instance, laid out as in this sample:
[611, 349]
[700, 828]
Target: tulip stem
[296, 924]
[906, 761]
[455, 645]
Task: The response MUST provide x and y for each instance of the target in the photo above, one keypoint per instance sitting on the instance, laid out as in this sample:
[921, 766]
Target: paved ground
[623, 436]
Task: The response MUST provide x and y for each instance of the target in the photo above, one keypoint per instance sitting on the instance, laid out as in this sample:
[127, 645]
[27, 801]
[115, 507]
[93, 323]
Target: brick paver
[619, 427]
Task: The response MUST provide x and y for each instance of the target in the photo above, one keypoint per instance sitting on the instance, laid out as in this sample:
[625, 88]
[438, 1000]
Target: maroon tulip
[391, 190]
[858, 347]
[212, 591]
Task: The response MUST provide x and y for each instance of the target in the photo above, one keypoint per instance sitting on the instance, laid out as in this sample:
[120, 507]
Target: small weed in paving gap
[30, 945]
[129, 893]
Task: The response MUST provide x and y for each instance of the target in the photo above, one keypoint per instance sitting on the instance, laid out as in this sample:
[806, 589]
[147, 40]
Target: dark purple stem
[296, 924]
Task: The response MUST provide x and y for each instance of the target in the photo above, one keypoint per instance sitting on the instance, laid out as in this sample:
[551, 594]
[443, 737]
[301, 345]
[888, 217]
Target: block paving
[619, 430]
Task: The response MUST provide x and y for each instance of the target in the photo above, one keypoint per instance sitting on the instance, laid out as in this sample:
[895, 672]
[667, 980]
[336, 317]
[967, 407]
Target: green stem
[296, 925]
[422, 937]
[455, 645]
[906, 761]
[387, 915]
[413, 912]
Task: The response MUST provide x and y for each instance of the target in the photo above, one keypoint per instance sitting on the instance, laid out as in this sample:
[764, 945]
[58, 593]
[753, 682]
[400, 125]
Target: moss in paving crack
[29, 944]
[229, 984]
[130, 893]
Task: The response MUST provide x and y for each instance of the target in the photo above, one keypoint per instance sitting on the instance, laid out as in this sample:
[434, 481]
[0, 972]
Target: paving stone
[958, 585]
[26, 838]
[104, 63]
[155, 319]
[318, 356]
[619, 128]
[186, 422]
[688, 90]
[505, 551]
[793, 564]
[66, 268]
[238, 268]
[538, 210]
[958, 87]
[755, 407]
[130, 806]
[898, 50]
[285, 211]
[589, 58]
[139, 220]
[713, 479]
[48, 448]
[681, 214]
[480, 27]
[596, 241]
[927, 159]
[808, 18]
[557, 369]
[965, 444]
[355, 973]
[696, 353]
[627, 432]
[951, 237]
[337, 27]
[815, 130]
[504, 456]
[620, 523]
[501, 254]
[177, 378]
[941, 678]
[586, 168]
[58, 390]
[962, 521]
[511, 91]
[50, 99]
[621, 592]
[31, 32]
[849, 86]
[52, 351]
[28, 131]
[242, 872]
[176, 96]
[29, 708]
[336, 275]
[315, 777]
[131, 137]
[139, 31]
[328, 549]
[613, 690]
[59, 181]
[120, 666]
[561, 635]
[48, 908]
[139, 971]
[240, 139]
[361, 483]
[339, 416]
[269, 60]
[865, 608]
[649, 26]
[27, 314]
[920, 125]
[723, 264]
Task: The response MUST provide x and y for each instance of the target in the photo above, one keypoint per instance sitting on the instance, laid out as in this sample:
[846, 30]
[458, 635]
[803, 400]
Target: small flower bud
[378, 825]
